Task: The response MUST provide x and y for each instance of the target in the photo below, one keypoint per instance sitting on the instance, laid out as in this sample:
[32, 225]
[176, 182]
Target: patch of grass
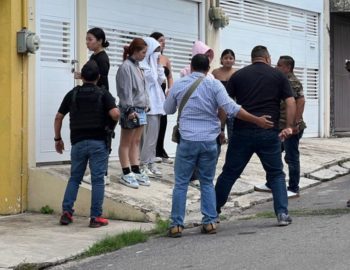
[27, 266]
[223, 217]
[303, 213]
[46, 210]
[319, 212]
[161, 228]
[112, 243]
[265, 214]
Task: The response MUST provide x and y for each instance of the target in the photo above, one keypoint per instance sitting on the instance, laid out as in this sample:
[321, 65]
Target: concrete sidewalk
[38, 238]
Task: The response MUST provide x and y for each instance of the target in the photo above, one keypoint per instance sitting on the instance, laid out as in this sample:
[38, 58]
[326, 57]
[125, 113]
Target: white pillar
[325, 71]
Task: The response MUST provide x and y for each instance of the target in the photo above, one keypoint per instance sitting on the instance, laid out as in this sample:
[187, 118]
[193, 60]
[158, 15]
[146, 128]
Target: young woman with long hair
[133, 103]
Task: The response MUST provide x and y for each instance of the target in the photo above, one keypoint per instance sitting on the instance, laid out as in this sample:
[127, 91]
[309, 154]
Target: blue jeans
[243, 144]
[292, 158]
[190, 155]
[96, 152]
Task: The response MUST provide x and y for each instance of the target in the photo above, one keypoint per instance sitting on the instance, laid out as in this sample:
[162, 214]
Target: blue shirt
[199, 118]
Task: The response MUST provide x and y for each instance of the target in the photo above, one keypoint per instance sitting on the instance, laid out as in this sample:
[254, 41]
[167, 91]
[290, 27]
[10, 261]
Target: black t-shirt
[102, 62]
[259, 88]
[108, 102]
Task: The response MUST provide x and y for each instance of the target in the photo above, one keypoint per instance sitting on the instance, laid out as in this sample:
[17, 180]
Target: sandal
[208, 228]
[175, 231]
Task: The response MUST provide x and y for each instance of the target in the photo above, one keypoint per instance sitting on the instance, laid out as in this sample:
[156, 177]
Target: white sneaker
[142, 179]
[292, 195]
[147, 171]
[158, 159]
[167, 160]
[262, 188]
[107, 179]
[152, 167]
[129, 180]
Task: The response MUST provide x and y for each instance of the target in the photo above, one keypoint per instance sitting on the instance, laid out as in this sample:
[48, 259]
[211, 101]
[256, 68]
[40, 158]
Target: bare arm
[59, 145]
[290, 113]
[114, 114]
[300, 104]
[170, 76]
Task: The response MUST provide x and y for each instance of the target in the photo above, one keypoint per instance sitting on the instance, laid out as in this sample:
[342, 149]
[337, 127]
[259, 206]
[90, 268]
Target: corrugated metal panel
[271, 15]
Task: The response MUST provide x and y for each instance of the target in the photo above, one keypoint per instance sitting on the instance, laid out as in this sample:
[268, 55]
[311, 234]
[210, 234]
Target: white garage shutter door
[284, 31]
[124, 20]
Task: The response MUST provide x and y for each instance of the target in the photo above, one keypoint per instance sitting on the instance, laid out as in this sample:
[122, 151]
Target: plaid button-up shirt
[199, 118]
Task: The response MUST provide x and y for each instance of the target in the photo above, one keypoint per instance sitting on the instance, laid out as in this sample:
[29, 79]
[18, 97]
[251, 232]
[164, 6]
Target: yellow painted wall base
[13, 110]
[54, 185]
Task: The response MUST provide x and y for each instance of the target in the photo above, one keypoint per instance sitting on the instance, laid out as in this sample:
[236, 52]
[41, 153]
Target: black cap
[90, 71]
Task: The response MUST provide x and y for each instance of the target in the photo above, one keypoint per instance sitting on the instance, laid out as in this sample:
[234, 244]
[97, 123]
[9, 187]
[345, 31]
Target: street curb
[308, 175]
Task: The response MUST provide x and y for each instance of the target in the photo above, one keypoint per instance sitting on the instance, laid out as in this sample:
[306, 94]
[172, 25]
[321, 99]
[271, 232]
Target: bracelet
[58, 139]
[223, 129]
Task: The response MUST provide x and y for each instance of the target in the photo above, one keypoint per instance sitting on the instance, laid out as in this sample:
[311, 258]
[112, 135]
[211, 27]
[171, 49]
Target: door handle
[74, 64]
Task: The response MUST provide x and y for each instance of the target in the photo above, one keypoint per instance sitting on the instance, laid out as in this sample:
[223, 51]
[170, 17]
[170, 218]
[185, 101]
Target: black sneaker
[66, 218]
[98, 222]
[283, 219]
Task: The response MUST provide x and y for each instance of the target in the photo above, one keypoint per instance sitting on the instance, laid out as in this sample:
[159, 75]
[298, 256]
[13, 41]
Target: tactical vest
[87, 110]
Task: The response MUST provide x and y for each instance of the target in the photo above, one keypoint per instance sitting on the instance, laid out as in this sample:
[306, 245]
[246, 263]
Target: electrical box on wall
[27, 41]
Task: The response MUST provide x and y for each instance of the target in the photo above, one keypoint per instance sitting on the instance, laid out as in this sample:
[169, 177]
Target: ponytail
[126, 52]
[136, 45]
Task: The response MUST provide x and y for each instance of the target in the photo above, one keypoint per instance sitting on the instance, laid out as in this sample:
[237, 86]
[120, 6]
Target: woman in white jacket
[154, 77]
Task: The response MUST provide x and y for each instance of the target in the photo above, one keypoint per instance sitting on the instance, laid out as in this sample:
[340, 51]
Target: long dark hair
[156, 35]
[99, 34]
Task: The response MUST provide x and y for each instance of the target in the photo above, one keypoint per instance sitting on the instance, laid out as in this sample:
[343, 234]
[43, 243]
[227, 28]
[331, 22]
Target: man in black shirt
[89, 108]
[259, 88]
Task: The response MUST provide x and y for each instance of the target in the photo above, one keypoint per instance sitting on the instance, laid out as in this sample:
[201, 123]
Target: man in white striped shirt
[199, 127]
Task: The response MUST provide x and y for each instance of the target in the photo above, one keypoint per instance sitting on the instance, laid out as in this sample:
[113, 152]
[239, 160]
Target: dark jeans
[243, 144]
[96, 153]
[292, 158]
[160, 151]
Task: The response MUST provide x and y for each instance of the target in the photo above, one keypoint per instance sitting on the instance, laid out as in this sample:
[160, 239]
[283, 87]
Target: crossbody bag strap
[187, 96]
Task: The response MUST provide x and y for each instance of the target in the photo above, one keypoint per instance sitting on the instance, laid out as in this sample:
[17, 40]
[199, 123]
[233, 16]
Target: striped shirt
[199, 119]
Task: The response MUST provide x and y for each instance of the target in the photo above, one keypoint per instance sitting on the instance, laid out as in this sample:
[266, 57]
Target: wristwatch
[58, 139]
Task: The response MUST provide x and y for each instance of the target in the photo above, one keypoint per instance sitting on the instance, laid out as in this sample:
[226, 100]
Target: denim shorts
[141, 114]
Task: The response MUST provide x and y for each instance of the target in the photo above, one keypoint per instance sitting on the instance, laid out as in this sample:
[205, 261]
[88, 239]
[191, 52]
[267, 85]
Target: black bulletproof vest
[87, 110]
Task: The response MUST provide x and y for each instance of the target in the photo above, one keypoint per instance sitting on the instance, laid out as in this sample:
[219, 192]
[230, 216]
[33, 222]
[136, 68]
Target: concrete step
[47, 185]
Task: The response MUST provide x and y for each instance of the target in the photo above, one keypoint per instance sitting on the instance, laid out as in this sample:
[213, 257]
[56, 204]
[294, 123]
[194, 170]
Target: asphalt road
[311, 242]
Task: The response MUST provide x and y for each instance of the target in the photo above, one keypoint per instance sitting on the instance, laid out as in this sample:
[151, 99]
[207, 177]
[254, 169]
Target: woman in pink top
[199, 48]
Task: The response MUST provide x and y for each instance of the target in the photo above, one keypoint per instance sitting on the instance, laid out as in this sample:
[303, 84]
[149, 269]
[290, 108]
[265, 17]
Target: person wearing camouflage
[291, 145]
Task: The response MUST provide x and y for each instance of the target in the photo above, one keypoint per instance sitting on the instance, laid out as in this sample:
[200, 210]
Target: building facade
[35, 84]
[340, 77]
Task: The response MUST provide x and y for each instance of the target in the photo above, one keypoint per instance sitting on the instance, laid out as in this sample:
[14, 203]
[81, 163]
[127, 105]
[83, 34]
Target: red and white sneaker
[66, 218]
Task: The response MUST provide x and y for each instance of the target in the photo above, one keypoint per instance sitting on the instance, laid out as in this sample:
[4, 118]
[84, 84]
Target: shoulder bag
[176, 133]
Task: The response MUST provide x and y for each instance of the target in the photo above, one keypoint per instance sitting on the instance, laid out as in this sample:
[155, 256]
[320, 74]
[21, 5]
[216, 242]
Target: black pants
[160, 151]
